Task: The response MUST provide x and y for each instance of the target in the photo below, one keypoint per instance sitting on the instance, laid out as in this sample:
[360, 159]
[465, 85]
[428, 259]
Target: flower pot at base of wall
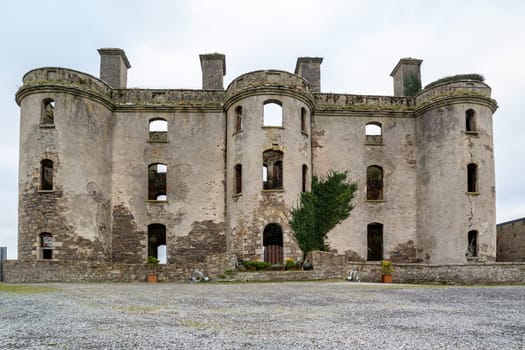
[307, 266]
[386, 278]
[152, 278]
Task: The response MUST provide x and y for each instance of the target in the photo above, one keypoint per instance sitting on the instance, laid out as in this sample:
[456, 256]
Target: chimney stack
[114, 67]
[310, 69]
[213, 66]
[407, 77]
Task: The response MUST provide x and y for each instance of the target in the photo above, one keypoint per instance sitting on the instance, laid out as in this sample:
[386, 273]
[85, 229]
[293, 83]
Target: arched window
[273, 244]
[374, 183]
[238, 119]
[470, 120]
[472, 248]
[373, 133]
[374, 241]
[305, 176]
[46, 175]
[48, 112]
[157, 182]
[273, 113]
[238, 179]
[46, 245]
[158, 130]
[272, 170]
[303, 119]
[472, 178]
[157, 241]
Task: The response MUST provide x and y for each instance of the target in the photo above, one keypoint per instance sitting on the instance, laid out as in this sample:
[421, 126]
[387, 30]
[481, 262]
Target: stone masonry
[112, 174]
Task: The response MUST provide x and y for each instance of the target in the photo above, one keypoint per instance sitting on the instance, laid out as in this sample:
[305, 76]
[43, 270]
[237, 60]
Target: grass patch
[24, 289]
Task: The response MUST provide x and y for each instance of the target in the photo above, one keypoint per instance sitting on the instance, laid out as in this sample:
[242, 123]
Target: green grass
[24, 289]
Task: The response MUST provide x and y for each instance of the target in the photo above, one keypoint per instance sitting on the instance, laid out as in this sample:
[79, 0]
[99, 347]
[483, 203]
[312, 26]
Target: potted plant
[290, 264]
[152, 269]
[387, 270]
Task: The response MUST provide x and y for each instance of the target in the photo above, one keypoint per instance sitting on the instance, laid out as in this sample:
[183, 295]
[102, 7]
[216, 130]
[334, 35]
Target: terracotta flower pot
[152, 278]
[386, 278]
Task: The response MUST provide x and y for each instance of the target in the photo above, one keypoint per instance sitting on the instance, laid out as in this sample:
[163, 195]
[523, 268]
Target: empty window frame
[374, 183]
[374, 241]
[157, 174]
[472, 178]
[470, 121]
[304, 177]
[373, 132]
[46, 175]
[238, 179]
[303, 119]
[46, 245]
[157, 242]
[158, 130]
[273, 113]
[472, 240]
[238, 119]
[48, 112]
[272, 170]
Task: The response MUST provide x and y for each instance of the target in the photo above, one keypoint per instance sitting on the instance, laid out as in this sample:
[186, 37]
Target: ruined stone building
[114, 174]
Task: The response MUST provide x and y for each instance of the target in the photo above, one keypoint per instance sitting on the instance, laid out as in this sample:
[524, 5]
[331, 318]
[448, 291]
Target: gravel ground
[297, 315]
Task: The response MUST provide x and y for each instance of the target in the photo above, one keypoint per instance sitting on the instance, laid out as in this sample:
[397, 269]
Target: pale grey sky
[361, 42]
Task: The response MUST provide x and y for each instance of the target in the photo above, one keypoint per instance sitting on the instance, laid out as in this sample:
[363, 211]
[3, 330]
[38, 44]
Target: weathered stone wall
[18, 271]
[252, 210]
[475, 273]
[76, 210]
[446, 212]
[511, 240]
[339, 142]
[194, 156]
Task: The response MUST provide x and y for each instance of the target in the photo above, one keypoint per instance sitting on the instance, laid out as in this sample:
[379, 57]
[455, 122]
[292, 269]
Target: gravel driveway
[296, 315]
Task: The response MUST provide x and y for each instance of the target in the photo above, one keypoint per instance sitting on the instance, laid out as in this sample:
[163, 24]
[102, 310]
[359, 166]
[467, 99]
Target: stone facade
[511, 240]
[111, 174]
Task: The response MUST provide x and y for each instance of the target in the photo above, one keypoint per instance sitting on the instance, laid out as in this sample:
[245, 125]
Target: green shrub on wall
[322, 209]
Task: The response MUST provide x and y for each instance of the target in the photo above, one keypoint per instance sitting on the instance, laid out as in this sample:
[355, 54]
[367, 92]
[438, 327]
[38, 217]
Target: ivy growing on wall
[412, 84]
[321, 210]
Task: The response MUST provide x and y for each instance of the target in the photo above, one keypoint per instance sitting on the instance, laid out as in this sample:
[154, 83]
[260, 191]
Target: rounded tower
[456, 217]
[268, 162]
[65, 166]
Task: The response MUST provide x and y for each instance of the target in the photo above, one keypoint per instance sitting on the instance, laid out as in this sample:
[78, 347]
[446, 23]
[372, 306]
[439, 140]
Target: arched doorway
[273, 244]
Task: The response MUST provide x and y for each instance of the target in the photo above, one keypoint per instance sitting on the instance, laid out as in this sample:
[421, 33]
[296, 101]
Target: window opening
[470, 120]
[46, 175]
[303, 119]
[157, 182]
[48, 112]
[162, 254]
[305, 174]
[238, 119]
[272, 170]
[375, 241]
[158, 130]
[373, 132]
[374, 183]
[238, 179]
[273, 244]
[472, 178]
[472, 249]
[156, 240]
[46, 245]
[273, 113]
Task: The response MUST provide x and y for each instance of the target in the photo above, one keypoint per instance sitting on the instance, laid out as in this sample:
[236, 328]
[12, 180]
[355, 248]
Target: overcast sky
[361, 42]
